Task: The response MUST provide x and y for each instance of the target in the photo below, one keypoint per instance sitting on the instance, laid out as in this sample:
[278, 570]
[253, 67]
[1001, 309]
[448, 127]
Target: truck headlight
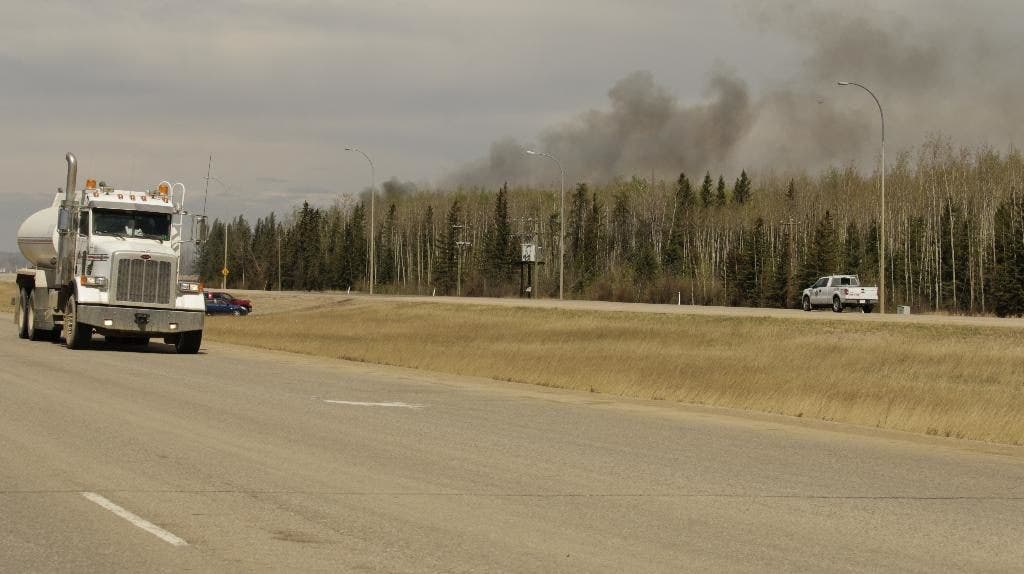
[189, 287]
[94, 281]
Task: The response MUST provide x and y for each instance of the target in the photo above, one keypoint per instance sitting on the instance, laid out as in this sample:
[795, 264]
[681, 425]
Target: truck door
[818, 292]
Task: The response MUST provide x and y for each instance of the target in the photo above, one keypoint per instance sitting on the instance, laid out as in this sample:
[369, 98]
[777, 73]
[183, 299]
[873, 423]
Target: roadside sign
[224, 272]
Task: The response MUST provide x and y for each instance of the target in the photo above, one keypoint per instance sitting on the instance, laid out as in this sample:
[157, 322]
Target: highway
[117, 459]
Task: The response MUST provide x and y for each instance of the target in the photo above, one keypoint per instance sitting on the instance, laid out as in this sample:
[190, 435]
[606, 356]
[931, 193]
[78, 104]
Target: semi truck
[108, 261]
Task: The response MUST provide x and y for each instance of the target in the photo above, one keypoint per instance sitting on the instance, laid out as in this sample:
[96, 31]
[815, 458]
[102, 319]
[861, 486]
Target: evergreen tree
[705, 190]
[1008, 272]
[674, 253]
[645, 263]
[499, 245]
[824, 256]
[621, 235]
[741, 190]
[782, 293]
[448, 262]
[791, 191]
[869, 265]
[577, 221]
[386, 272]
[853, 257]
[592, 247]
[720, 197]
[751, 269]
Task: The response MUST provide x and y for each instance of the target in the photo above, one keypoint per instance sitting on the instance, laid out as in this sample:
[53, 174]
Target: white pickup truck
[839, 292]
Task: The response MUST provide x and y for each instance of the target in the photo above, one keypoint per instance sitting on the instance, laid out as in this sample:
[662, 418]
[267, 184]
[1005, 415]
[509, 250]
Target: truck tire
[32, 333]
[21, 315]
[76, 335]
[866, 308]
[837, 304]
[807, 303]
[188, 343]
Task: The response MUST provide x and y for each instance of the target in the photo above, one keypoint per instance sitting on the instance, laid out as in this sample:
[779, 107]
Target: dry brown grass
[956, 381]
[8, 291]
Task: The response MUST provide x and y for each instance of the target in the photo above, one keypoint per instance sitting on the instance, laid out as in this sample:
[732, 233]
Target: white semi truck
[108, 261]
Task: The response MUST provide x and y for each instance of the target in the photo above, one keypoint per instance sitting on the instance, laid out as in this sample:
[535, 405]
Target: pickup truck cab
[839, 292]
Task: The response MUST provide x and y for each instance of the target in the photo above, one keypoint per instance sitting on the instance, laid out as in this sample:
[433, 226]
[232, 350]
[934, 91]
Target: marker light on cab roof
[90, 184]
[164, 188]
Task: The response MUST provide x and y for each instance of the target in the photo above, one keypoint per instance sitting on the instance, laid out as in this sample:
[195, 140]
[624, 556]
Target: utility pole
[792, 257]
[373, 194]
[206, 190]
[279, 261]
[460, 245]
[224, 271]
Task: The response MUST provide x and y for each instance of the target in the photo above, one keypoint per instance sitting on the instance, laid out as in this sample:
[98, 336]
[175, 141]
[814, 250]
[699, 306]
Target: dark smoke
[949, 69]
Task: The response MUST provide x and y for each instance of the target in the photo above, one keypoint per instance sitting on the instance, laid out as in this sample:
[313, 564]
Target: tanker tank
[38, 238]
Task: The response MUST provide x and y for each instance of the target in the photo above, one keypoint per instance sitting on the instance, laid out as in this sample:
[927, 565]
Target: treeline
[954, 238]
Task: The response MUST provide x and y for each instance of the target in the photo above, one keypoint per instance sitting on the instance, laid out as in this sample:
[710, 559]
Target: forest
[954, 237]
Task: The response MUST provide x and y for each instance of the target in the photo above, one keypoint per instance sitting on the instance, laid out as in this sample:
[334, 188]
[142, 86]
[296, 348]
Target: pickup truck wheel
[837, 304]
[188, 343]
[866, 308]
[76, 335]
[20, 315]
[807, 303]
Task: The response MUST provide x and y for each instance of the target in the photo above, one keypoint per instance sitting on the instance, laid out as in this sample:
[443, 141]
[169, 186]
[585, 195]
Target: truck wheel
[188, 343]
[138, 341]
[866, 308]
[21, 315]
[76, 335]
[807, 303]
[837, 304]
[32, 333]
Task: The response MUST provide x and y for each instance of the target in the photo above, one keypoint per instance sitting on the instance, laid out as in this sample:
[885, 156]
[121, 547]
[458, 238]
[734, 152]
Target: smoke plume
[947, 70]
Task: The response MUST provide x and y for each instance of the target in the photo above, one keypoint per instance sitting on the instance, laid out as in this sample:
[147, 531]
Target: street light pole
[881, 263]
[561, 221]
[373, 247]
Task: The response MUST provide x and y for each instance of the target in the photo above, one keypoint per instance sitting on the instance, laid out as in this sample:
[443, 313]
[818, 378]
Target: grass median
[963, 382]
[8, 293]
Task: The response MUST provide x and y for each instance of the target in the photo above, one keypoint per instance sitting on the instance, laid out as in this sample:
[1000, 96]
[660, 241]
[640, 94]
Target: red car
[229, 298]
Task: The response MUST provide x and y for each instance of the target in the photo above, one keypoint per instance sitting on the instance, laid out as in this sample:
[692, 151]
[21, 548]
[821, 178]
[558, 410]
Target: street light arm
[874, 97]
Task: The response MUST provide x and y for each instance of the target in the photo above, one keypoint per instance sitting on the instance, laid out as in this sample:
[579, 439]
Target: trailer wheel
[188, 343]
[837, 304]
[21, 315]
[76, 335]
[32, 333]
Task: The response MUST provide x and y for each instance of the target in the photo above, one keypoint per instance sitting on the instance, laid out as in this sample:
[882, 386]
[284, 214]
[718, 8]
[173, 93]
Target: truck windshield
[131, 224]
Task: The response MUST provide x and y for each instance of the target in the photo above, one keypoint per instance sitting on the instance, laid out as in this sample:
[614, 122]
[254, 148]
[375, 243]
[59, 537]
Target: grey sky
[144, 91]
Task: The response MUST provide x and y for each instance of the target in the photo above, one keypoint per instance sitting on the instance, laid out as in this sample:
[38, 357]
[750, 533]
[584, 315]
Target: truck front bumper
[139, 320]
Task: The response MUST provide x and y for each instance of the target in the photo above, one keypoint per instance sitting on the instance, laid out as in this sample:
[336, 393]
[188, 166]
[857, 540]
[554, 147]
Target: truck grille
[144, 281]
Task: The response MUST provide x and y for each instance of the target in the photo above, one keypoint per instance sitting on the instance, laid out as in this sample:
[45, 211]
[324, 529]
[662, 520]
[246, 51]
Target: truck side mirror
[200, 230]
[63, 220]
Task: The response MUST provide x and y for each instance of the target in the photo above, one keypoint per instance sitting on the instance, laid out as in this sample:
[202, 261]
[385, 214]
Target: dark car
[216, 306]
[221, 295]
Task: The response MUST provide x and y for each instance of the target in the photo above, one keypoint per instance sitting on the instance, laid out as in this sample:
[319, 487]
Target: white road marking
[136, 520]
[362, 404]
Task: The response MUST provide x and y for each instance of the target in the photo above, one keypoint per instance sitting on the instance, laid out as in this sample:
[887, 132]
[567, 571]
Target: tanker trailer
[108, 261]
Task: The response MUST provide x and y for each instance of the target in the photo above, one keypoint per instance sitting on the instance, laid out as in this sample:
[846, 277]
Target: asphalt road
[240, 461]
